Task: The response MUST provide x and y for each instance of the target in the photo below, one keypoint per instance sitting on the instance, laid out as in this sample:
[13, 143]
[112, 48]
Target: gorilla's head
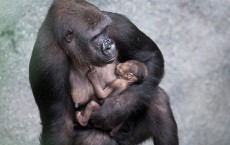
[81, 30]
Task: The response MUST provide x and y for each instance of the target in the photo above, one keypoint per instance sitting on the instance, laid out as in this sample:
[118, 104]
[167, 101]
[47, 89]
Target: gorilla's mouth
[111, 60]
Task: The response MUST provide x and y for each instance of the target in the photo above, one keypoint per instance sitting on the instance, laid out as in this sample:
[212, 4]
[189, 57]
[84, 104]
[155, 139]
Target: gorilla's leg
[156, 122]
[93, 137]
[161, 120]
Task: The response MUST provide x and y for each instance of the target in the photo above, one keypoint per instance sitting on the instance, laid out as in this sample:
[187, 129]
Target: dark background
[193, 35]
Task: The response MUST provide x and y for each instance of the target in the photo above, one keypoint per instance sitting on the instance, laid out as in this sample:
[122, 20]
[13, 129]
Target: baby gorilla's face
[122, 69]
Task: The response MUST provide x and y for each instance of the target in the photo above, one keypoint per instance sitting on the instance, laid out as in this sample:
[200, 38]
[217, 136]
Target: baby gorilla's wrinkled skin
[126, 73]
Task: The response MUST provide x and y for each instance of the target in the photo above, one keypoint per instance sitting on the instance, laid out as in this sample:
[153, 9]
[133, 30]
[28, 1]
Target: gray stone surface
[193, 36]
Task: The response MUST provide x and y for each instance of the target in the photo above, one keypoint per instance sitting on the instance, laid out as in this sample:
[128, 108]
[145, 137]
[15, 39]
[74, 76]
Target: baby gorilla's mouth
[116, 72]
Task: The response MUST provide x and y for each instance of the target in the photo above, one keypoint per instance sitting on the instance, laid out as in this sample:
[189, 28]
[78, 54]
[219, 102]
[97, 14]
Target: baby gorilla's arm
[92, 76]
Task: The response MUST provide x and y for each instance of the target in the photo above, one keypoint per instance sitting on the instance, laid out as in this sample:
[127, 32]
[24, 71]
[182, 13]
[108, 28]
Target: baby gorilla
[127, 73]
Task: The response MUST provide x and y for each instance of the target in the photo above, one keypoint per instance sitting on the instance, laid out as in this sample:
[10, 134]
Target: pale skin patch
[82, 89]
[124, 79]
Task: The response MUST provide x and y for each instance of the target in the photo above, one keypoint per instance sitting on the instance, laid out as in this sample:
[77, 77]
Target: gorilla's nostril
[107, 48]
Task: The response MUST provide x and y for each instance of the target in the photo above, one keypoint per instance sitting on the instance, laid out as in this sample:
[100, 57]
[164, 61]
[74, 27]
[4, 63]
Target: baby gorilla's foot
[81, 119]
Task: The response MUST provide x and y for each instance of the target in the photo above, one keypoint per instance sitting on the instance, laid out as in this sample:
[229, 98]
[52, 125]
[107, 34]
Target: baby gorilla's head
[132, 69]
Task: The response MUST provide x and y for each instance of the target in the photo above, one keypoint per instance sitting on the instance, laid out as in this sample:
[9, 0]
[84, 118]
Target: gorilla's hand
[105, 118]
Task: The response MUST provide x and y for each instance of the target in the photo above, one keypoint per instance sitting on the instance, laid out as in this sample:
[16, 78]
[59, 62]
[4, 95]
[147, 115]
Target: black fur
[145, 113]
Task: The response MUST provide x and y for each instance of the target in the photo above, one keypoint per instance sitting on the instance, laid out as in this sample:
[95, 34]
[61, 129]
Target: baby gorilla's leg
[84, 118]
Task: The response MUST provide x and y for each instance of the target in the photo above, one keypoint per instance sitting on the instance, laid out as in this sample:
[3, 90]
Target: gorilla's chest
[106, 74]
[82, 89]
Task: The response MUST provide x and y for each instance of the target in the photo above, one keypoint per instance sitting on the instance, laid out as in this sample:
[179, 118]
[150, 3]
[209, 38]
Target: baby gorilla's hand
[92, 74]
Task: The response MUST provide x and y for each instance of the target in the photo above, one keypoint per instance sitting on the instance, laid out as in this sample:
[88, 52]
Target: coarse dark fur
[145, 113]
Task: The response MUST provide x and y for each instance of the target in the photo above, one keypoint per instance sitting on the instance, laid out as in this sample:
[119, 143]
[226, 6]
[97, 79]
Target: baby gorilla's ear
[128, 76]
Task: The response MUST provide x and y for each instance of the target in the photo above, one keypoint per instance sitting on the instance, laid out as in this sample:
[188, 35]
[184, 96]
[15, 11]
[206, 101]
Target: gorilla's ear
[69, 36]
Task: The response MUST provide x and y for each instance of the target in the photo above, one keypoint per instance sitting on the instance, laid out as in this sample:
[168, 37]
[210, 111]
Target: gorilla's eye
[95, 37]
[99, 35]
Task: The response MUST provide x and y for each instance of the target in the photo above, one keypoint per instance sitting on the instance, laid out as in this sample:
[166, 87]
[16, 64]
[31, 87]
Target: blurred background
[193, 35]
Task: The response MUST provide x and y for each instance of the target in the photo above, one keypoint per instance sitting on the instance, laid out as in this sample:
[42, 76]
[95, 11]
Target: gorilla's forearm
[117, 108]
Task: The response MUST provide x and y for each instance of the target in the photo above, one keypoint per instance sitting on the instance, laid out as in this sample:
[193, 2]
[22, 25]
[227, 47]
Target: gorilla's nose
[108, 47]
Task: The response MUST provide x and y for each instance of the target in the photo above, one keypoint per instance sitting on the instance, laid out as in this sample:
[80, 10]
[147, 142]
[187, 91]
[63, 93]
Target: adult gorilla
[75, 35]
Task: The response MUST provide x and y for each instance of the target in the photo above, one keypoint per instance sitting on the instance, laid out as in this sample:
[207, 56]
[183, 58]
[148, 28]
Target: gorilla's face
[83, 34]
[102, 48]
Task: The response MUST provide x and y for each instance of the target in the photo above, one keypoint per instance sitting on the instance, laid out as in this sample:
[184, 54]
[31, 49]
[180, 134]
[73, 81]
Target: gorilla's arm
[131, 44]
[49, 80]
